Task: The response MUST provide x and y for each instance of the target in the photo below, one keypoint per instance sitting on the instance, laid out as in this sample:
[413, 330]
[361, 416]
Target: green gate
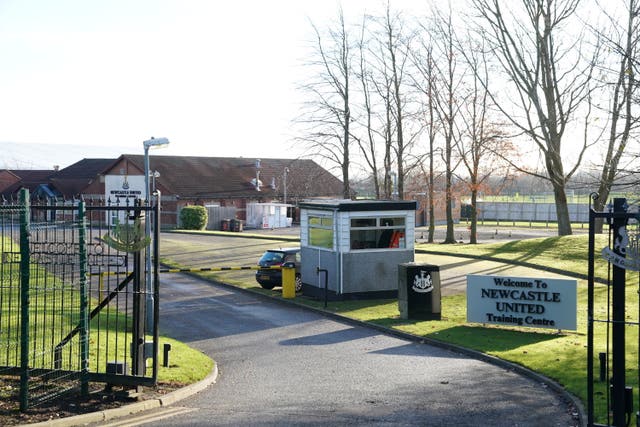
[613, 318]
[75, 307]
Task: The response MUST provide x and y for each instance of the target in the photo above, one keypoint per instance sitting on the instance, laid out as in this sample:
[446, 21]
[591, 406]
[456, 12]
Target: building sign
[522, 301]
[123, 189]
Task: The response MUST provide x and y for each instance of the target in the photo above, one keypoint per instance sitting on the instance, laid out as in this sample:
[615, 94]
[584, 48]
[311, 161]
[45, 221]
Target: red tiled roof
[33, 175]
[29, 179]
[190, 177]
[85, 168]
[73, 179]
[217, 177]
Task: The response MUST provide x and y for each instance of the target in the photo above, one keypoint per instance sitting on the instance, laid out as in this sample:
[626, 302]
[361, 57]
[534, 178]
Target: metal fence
[74, 300]
[527, 211]
[216, 214]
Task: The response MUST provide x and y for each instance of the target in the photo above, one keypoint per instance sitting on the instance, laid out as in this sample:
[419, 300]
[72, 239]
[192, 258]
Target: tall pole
[153, 142]
[618, 305]
[285, 185]
[147, 233]
[25, 238]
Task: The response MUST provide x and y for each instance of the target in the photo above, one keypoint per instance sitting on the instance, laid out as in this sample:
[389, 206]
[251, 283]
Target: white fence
[528, 211]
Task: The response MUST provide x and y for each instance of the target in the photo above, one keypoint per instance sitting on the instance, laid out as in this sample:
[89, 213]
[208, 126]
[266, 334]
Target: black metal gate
[76, 304]
[613, 307]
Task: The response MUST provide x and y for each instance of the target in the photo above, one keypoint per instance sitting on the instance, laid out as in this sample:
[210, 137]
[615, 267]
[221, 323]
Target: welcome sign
[522, 301]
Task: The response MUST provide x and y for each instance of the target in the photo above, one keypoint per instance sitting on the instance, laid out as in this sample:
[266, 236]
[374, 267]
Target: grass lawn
[560, 355]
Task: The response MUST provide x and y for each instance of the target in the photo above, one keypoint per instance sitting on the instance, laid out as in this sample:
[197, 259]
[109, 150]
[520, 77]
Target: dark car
[270, 278]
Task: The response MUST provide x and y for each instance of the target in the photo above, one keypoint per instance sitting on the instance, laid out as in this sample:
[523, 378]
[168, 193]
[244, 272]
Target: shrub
[193, 217]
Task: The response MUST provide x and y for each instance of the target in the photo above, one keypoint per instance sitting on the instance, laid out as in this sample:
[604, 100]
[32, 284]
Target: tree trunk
[473, 235]
[449, 238]
[562, 210]
[432, 219]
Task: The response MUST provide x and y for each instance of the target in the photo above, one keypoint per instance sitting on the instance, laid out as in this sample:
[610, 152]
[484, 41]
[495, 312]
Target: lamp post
[286, 170]
[149, 143]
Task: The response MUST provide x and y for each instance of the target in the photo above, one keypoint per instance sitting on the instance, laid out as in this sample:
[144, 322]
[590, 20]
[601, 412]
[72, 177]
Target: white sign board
[119, 188]
[522, 301]
[123, 190]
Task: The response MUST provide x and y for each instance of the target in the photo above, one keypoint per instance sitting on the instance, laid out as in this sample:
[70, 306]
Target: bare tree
[392, 58]
[367, 144]
[393, 44]
[376, 121]
[425, 82]
[448, 104]
[482, 137]
[382, 85]
[622, 41]
[550, 81]
[327, 115]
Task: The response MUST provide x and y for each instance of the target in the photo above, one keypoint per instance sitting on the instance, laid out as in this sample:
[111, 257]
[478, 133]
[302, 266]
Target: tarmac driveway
[283, 365]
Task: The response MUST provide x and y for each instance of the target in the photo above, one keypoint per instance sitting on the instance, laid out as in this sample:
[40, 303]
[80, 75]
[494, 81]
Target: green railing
[72, 306]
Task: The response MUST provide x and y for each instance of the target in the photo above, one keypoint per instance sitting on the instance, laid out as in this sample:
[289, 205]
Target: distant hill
[46, 156]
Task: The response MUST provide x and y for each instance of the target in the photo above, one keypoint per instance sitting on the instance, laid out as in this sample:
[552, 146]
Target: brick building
[182, 180]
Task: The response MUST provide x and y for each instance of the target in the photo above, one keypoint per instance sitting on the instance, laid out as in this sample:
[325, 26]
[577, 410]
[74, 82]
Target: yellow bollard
[288, 282]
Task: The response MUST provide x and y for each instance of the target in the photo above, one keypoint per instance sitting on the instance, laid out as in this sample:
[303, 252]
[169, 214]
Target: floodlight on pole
[149, 143]
[155, 142]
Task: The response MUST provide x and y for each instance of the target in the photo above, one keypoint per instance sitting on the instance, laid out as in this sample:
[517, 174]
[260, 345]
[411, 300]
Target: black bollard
[603, 366]
[166, 349]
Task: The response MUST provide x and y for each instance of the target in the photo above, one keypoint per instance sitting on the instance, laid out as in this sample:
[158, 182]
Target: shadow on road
[330, 338]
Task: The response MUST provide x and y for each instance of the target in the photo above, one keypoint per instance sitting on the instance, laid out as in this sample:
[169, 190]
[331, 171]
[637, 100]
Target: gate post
[84, 301]
[138, 330]
[618, 305]
[24, 299]
[590, 311]
[156, 282]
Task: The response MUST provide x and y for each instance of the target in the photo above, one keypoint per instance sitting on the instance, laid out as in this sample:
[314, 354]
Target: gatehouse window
[321, 231]
[378, 233]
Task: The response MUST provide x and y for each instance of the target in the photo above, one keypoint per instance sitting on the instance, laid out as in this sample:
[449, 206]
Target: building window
[321, 231]
[378, 233]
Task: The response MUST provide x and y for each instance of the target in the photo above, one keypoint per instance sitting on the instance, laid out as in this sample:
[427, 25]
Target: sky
[217, 78]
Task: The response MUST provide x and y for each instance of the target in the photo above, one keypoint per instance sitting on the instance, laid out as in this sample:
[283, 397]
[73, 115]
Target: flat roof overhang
[361, 205]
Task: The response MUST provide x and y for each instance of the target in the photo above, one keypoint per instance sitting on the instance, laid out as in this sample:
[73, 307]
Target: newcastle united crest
[422, 283]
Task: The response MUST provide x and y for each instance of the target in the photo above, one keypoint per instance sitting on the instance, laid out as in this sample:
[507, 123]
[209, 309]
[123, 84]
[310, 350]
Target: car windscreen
[272, 257]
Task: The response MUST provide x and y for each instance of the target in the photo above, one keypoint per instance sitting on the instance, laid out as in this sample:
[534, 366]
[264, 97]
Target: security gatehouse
[354, 247]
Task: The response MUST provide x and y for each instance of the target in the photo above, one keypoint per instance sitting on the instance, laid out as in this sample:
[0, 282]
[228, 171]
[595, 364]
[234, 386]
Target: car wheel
[266, 286]
[298, 283]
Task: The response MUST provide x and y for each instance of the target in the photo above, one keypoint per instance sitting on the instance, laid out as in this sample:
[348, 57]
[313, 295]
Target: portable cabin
[354, 246]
